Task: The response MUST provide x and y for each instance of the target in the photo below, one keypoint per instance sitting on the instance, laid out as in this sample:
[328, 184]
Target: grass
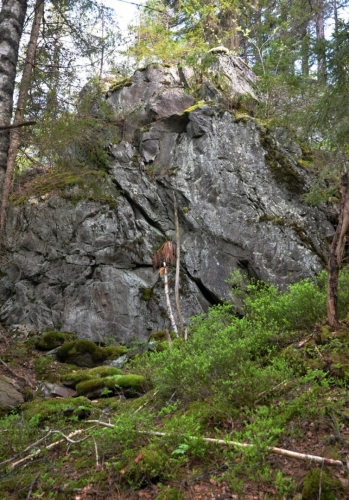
[271, 378]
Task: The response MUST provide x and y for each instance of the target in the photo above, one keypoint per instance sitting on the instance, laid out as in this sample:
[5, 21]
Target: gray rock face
[88, 268]
[10, 394]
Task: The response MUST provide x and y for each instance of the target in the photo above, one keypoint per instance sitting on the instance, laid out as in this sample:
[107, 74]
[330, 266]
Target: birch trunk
[12, 17]
[178, 257]
[21, 102]
[168, 302]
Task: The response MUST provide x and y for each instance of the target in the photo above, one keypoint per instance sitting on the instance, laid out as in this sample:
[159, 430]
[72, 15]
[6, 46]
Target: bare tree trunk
[336, 254]
[21, 102]
[11, 26]
[178, 259]
[168, 302]
[320, 42]
[305, 49]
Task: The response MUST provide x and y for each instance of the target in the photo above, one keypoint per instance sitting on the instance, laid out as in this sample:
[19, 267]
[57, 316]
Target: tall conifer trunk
[320, 42]
[12, 17]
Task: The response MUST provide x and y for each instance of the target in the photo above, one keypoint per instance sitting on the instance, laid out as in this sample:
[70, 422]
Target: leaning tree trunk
[11, 26]
[336, 254]
[21, 102]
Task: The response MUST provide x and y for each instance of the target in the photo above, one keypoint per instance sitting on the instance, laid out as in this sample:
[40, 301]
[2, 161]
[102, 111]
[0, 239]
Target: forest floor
[128, 464]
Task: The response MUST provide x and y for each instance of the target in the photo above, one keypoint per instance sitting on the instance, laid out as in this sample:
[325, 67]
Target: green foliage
[236, 357]
[299, 307]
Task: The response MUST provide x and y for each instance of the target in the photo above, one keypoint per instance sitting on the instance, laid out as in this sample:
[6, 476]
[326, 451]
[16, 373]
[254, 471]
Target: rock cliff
[87, 268]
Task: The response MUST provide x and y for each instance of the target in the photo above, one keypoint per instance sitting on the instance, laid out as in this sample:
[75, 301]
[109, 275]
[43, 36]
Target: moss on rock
[89, 386]
[87, 353]
[50, 340]
[132, 384]
[43, 410]
[127, 381]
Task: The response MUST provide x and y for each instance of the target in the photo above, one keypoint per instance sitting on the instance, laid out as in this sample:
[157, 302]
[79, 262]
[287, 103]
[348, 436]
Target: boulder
[87, 268]
[10, 395]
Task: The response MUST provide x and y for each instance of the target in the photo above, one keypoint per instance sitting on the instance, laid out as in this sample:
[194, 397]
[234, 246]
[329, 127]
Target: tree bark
[320, 42]
[168, 302]
[21, 102]
[178, 260]
[305, 49]
[336, 254]
[12, 17]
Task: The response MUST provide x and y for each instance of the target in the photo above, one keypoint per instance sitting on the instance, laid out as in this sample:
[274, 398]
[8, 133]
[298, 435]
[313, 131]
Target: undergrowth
[261, 380]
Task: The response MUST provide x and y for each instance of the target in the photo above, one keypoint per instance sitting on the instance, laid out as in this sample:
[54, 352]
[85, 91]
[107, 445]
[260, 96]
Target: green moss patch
[74, 185]
[87, 353]
[50, 340]
[125, 82]
[132, 385]
[42, 410]
[74, 378]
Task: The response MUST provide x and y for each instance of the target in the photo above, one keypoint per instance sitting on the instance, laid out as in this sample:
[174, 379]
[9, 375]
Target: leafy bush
[235, 358]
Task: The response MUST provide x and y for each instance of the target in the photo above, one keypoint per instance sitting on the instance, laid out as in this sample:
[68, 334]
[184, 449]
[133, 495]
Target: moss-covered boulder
[73, 378]
[87, 353]
[46, 410]
[129, 385]
[50, 340]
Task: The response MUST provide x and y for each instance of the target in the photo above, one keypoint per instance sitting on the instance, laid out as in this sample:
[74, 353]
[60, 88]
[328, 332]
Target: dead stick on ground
[52, 445]
[277, 451]
[32, 485]
[26, 449]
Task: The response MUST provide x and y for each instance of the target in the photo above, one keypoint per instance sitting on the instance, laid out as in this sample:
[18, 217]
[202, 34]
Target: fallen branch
[270, 449]
[32, 485]
[52, 445]
[26, 449]
[18, 125]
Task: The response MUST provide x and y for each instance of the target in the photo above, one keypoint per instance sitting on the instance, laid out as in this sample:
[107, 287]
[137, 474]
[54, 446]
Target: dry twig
[277, 451]
[50, 446]
[32, 485]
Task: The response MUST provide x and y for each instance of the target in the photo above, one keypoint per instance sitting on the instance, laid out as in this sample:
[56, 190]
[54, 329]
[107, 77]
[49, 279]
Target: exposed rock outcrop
[88, 268]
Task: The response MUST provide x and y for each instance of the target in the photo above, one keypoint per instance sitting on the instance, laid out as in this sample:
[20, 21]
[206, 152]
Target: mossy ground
[291, 393]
